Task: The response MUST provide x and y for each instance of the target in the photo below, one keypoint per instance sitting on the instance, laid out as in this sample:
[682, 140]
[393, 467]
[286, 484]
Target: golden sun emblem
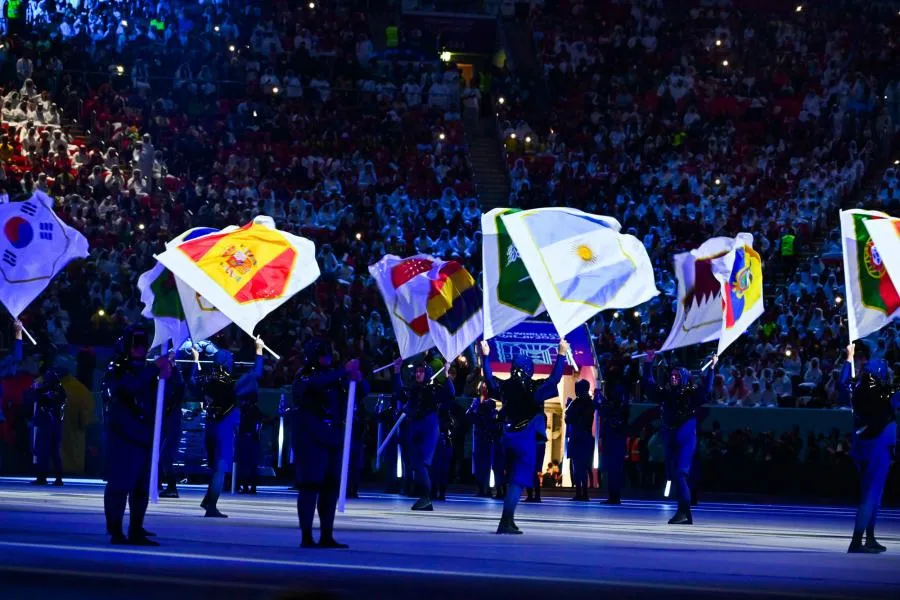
[585, 253]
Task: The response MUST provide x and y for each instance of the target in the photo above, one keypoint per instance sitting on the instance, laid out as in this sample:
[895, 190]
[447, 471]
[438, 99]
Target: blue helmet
[224, 359]
[522, 367]
[879, 369]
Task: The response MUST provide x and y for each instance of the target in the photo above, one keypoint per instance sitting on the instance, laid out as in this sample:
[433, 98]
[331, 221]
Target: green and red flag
[872, 298]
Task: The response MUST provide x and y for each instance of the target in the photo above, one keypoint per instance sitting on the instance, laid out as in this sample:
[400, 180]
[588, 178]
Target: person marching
[874, 412]
[679, 401]
[171, 433]
[319, 396]
[49, 400]
[221, 394]
[443, 454]
[421, 402]
[387, 412]
[615, 409]
[129, 392]
[523, 401]
[482, 414]
[533, 494]
[580, 422]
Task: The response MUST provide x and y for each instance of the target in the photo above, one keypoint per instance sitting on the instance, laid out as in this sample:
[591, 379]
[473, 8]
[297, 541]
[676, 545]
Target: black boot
[682, 516]
[507, 527]
[139, 538]
[423, 503]
[58, 482]
[857, 547]
[40, 481]
[871, 542]
[169, 493]
[616, 500]
[214, 513]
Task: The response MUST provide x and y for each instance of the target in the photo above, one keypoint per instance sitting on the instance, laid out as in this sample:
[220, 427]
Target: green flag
[509, 294]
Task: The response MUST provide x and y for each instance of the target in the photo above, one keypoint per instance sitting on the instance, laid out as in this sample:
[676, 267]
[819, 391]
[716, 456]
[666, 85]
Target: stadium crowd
[682, 123]
[690, 120]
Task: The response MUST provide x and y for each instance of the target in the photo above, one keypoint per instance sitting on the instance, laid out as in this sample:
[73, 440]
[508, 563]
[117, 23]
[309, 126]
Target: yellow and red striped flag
[245, 272]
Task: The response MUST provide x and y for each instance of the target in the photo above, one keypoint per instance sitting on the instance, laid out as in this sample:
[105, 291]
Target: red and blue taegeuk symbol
[19, 232]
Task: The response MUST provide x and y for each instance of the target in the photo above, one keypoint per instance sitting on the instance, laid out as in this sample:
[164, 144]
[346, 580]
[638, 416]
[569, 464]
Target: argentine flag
[580, 264]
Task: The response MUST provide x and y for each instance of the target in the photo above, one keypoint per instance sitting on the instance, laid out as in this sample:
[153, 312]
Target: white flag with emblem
[35, 245]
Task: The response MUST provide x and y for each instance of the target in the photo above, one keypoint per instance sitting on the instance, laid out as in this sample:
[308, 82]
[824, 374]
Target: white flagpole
[28, 335]
[281, 432]
[391, 433]
[157, 434]
[378, 454]
[348, 439]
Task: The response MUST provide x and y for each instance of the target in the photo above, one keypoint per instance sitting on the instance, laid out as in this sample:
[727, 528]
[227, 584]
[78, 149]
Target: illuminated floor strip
[387, 570]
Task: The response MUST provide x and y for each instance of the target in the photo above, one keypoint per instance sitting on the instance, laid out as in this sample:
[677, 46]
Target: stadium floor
[52, 541]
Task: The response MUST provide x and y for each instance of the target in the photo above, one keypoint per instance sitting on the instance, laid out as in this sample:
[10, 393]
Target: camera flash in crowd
[838, 299]
[446, 56]
[101, 313]
[216, 29]
[441, 136]
[725, 63]
[718, 181]
[141, 226]
[637, 314]
[359, 236]
[231, 48]
[528, 139]
[512, 135]
[124, 23]
[312, 5]
[718, 42]
[788, 352]
[616, 315]
[274, 90]
[254, 114]
[501, 99]
[799, 8]
[120, 69]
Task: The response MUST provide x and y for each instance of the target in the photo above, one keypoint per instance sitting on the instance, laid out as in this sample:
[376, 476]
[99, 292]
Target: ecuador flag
[431, 302]
[245, 272]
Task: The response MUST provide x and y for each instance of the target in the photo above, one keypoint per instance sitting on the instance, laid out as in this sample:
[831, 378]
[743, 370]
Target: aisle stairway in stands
[487, 162]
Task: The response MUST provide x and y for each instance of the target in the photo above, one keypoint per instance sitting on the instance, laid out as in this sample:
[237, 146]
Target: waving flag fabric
[509, 294]
[886, 237]
[740, 273]
[35, 245]
[698, 317]
[178, 312]
[245, 272]
[431, 302]
[872, 299]
[580, 264]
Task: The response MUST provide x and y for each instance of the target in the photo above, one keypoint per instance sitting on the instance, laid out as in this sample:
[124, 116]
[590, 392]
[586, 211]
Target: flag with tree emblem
[509, 294]
[872, 299]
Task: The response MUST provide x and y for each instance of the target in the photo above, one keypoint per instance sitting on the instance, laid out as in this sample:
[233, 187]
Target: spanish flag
[244, 272]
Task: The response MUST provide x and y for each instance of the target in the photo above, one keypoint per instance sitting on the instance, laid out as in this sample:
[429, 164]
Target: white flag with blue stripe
[580, 263]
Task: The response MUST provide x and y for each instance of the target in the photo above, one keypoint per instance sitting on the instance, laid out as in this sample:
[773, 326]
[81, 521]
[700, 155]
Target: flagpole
[348, 440]
[28, 335]
[157, 433]
[391, 434]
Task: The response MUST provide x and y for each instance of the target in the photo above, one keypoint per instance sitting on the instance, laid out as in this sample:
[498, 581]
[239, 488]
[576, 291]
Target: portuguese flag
[509, 294]
[872, 299]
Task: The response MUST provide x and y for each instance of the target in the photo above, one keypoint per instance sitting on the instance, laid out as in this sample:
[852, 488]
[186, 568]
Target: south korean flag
[35, 245]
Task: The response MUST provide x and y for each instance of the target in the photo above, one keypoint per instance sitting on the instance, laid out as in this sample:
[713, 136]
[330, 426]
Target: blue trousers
[680, 446]
[482, 453]
[581, 449]
[46, 448]
[614, 446]
[423, 437]
[500, 461]
[520, 452]
[440, 467]
[873, 459]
